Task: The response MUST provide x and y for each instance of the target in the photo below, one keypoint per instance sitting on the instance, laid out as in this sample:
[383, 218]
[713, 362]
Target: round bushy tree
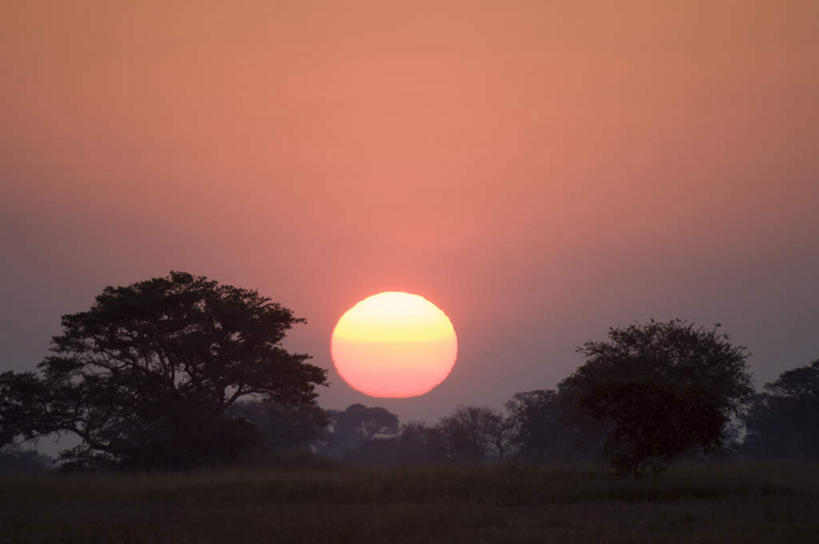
[664, 388]
[147, 375]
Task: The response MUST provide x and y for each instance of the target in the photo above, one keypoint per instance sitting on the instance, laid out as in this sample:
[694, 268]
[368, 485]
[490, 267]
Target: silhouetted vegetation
[14, 460]
[351, 428]
[470, 435]
[147, 376]
[783, 422]
[547, 427]
[284, 427]
[180, 371]
[665, 387]
[473, 434]
[416, 444]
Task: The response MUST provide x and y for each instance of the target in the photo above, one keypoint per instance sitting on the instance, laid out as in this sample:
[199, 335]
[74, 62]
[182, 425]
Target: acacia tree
[663, 388]
[146, 376]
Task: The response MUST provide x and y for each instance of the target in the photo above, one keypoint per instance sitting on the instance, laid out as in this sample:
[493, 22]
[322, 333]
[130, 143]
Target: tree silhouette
[350, 428]
[473, 433]
[283, 427]
[14, 460]
[664, 387]
[420, 443]
[146, 376]
[416, 443]
[784, 420]
[545, 427]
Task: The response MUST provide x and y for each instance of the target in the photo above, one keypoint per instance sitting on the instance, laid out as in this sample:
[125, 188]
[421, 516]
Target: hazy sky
[540, 170]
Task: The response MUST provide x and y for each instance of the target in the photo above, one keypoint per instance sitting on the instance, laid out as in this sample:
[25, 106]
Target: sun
[394, 344]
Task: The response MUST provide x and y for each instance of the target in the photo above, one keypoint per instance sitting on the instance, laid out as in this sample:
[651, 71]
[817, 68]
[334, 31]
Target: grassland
[512, 503]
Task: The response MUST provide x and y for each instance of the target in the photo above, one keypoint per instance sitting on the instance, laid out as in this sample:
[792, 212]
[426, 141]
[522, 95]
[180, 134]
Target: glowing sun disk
[394, 344]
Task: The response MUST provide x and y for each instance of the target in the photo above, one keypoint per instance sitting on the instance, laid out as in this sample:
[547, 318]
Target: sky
[541, 171]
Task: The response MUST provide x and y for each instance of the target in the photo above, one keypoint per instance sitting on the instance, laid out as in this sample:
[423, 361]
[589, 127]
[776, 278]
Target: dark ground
[512, 503]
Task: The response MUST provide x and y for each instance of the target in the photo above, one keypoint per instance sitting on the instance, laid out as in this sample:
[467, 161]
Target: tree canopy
[544, 426]
[472, 433]
[664, 387]
[284, 427]
[356, 425]
[145, 377]
[784, 420]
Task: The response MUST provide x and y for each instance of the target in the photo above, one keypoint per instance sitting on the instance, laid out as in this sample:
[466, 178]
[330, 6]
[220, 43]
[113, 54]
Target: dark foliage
[416, 444]
[664, 387]
[654, 422]
[421, 444]
[473, 434]
[146, 376]
[14, 460]
[783, 421]
[470, 435]
[284, 427]
[799, 383]
[545, 427]
[350, 428]
[21, 398]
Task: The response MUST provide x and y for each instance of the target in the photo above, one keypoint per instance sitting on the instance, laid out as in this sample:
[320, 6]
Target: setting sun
[394, 344]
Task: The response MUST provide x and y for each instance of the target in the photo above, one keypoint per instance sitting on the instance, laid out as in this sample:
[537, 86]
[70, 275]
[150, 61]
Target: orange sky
[540, 170]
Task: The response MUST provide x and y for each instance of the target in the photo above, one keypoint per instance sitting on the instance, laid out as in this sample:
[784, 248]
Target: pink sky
[541, 171]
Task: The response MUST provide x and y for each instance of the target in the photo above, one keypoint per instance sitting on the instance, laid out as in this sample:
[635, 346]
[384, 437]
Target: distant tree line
[783, 421]
[181, 371]
[15, 460]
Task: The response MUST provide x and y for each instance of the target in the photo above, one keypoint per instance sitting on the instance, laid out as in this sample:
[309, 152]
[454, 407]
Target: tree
[21, 395]
[544, 427]
[784, 420]
[471, 434]
[798, 383]
[664, 388]
[420, 444]
[417, 443]
[284, 427]
[146, 376]
[14, 460]
[350, 428]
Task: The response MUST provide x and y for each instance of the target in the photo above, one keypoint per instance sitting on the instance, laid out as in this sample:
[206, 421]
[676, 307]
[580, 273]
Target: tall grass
[507, 503]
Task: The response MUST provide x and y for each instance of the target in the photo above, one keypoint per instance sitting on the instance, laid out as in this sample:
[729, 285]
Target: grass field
[730, 503]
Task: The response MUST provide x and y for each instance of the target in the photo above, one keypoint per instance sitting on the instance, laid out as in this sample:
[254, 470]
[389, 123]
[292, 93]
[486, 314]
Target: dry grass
[731, 503]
